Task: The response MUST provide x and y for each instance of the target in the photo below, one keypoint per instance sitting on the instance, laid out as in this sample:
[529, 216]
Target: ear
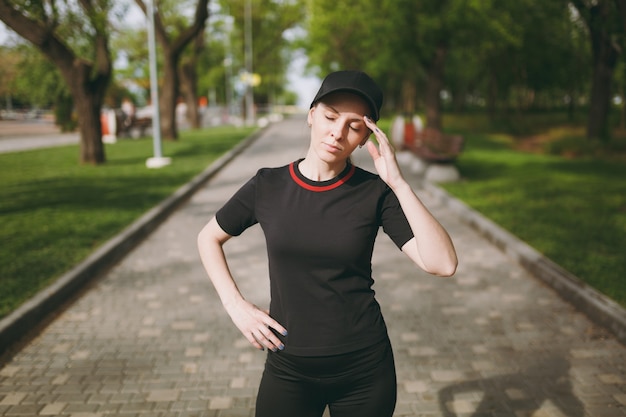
[309, 118]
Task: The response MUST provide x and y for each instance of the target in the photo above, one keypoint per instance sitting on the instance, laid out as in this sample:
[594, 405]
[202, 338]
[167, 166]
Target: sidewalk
[150, 338]
[22, 135]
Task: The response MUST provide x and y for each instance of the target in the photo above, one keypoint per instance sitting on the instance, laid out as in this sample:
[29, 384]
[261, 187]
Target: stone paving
[150, 338]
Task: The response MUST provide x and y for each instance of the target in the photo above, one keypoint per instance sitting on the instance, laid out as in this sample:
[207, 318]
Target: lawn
[570, 208]
[55, 212]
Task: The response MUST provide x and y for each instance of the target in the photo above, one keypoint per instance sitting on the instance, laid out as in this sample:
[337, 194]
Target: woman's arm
[254, 323]
[431, 247]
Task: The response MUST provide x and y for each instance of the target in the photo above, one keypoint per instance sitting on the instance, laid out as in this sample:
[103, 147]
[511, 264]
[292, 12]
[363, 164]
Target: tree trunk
[90, 126]
[622, 117]
[604, 62]
[168, 99]
[599, 17]
[86, 80]
[433, 88]
[492, 96]
[88, 95]
[172, 50]
[409, 91]
[189, 82]
[188, 86]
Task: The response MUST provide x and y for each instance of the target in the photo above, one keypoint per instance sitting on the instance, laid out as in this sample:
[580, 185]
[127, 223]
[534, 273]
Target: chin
[331, 158]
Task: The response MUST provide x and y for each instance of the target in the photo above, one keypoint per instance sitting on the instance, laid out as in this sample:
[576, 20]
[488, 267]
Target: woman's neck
[317, 170]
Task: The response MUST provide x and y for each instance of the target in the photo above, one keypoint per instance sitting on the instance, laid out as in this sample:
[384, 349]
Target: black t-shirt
[320, 238]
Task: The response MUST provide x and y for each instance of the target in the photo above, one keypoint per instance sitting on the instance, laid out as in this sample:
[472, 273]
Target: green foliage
[270, 48]
[9, 61]
[38, 81]
[55, 212]
[64, 113]
[340, 32]
[492, 57]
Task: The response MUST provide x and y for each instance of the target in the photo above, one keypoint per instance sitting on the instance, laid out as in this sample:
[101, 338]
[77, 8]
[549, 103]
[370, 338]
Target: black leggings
[357, 384]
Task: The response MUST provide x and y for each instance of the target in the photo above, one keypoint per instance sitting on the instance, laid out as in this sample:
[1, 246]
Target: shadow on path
[518, 394]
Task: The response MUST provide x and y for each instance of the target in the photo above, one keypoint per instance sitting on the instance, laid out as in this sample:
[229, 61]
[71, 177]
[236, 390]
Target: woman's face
[337, 126]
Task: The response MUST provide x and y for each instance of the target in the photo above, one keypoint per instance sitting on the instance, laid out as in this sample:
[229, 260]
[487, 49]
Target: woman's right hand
[256, 325]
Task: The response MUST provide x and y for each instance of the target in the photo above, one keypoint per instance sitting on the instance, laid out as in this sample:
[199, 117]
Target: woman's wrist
[401, 186]
[232, 302]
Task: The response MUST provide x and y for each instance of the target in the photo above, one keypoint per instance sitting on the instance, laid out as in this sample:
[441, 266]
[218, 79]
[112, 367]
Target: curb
[34, 311]
[598, 307]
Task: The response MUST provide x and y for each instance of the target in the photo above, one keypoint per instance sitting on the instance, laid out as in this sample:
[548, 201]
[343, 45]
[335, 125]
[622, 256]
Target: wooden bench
[432, 145]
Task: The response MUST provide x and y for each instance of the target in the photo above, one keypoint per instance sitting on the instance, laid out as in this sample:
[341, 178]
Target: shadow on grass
[76, 193]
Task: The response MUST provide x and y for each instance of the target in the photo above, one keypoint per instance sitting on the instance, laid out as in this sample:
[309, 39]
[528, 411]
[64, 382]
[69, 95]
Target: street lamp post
[248, 59]
[157, 161]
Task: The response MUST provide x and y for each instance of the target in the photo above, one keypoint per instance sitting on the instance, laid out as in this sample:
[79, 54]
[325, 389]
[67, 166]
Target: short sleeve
[239, 212]
[393, 219]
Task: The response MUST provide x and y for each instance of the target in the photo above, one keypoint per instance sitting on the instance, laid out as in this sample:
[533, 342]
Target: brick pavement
[150, 337]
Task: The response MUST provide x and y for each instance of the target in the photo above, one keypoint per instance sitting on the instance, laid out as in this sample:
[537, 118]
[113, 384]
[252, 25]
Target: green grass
[55, 212]
[573, 210]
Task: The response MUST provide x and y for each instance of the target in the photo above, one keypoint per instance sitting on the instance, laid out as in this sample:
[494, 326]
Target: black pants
[357, 384]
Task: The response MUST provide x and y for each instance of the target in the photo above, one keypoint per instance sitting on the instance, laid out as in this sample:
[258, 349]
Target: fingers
[382, 139]
[384, 156]
[264, 337]
[373, 150]
[259, 328]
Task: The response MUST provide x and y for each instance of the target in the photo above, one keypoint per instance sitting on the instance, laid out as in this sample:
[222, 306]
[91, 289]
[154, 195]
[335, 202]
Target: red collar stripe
[320, 188]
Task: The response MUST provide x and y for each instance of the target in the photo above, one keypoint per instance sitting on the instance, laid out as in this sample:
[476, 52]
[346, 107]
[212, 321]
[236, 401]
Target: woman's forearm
[433, 248]
[210, 241]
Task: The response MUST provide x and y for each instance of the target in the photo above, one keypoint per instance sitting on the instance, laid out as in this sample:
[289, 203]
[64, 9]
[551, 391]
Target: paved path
[150, 337]
[23, 135]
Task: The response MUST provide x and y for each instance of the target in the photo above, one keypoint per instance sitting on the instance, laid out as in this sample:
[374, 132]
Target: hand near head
[384, 156]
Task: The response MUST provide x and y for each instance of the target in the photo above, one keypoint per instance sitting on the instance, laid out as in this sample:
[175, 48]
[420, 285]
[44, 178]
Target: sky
[305, 86]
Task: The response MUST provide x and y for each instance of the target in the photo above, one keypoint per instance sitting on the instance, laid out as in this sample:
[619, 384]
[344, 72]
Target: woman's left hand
[384, 156]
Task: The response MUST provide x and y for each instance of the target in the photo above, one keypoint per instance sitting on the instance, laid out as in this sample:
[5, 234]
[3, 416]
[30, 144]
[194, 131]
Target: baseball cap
[356, 82]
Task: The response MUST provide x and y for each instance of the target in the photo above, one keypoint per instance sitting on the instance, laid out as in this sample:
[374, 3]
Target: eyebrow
[359, 119]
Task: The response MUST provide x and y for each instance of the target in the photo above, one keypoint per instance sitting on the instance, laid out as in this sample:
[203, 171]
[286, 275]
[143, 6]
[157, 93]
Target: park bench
[432, 145]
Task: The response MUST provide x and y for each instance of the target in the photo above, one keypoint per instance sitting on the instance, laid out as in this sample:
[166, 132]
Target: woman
[326, 338]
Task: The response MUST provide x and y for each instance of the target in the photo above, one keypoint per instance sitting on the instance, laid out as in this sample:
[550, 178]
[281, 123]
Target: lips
[332, 148]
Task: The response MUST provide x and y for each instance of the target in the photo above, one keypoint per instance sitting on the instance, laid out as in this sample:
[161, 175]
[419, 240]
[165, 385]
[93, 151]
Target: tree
[438, 26]
[189, 80]
[606, 21]
[411, 39]
[86, 66]
[363, 35]
[39, 83]
[270, 20]
[534, 76]
[173, 39]
[131, 48]
[9, 65]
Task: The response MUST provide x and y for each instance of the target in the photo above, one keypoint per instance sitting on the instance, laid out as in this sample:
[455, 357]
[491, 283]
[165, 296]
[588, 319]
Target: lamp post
[248, 59]
[228, 73]
[157, 161]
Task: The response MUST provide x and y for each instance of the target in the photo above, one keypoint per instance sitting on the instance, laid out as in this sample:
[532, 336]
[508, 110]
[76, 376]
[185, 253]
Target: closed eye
[356, 127]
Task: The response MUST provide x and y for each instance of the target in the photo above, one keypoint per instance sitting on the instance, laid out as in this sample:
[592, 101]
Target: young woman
[326, 338]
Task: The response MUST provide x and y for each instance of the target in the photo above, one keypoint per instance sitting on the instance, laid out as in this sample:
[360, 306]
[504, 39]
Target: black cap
[356, 82]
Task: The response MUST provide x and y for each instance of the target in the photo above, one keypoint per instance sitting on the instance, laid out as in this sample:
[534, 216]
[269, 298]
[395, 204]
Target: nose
[337, 131]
